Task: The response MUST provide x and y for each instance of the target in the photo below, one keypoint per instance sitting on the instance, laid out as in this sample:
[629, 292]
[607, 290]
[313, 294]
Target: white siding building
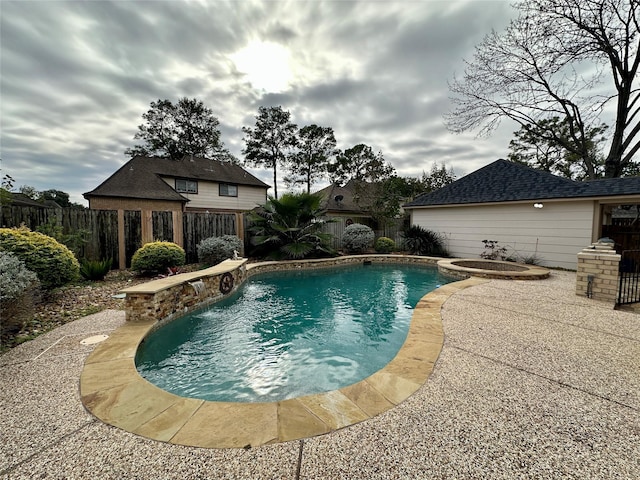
[530, 213]
[220, 196]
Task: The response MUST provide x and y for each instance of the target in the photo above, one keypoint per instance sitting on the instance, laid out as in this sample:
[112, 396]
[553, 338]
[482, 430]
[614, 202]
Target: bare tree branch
[553, 61]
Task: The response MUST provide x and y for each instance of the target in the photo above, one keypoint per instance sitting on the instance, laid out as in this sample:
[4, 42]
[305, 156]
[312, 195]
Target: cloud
[77, 77]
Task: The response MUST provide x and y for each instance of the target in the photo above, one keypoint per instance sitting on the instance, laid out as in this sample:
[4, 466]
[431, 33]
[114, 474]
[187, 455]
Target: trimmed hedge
[384, 245]
[157, 257]
[53, 263]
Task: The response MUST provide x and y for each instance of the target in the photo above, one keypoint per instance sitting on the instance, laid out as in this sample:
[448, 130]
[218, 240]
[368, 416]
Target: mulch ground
[74, 301]
[71, 302]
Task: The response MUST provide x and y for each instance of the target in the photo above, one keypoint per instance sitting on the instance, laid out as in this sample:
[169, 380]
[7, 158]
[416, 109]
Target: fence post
[240, 230]
[122, 243]
[597, 273]
[147, 226]
[178, 235]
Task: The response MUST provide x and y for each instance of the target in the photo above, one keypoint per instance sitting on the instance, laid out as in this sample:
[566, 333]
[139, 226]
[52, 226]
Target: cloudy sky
[76, 77]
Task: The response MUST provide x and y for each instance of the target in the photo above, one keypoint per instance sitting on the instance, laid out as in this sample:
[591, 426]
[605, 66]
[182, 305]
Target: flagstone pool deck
[532, 382]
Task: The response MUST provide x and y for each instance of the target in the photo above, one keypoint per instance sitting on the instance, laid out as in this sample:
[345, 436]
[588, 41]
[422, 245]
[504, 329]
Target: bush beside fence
[102, 228]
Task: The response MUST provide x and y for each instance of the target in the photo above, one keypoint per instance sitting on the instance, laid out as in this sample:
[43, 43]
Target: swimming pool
[287, 334]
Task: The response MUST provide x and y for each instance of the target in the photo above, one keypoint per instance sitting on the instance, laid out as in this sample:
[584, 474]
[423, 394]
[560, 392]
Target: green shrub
[420, 241]
[95, 269]
[18, 293]
[384, 245]
[74, 241]
[214, 250]
[357, 238]
[290, 228]
[53, 263]
[157, 257]
[530, 259]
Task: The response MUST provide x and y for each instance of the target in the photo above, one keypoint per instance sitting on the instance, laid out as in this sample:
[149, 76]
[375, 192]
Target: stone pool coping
[112, 390]
[168, 298]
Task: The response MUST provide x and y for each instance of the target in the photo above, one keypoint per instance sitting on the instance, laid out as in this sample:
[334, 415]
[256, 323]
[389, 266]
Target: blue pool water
[288, 334]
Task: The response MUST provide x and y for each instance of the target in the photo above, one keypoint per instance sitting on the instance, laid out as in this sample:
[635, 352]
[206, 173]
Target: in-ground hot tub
[466, 267]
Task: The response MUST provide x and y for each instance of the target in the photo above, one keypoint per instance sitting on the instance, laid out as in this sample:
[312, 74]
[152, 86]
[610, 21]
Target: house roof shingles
[22, 200]
[503, 181]
[346, 194]
[141, 177]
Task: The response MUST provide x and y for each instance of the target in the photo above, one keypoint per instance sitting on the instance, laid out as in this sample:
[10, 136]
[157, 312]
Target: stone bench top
[155, 286]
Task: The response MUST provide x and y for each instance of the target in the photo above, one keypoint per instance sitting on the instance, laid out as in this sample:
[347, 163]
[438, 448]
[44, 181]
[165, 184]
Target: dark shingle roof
[140, 177]
[503, 181]
[345, 194]
[22, 200]
[613, 187]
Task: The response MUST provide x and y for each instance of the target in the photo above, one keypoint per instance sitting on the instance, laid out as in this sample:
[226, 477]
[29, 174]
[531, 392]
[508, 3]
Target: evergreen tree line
[306, 155]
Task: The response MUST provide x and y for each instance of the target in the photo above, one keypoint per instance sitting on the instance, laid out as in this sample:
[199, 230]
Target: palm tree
[290, 228]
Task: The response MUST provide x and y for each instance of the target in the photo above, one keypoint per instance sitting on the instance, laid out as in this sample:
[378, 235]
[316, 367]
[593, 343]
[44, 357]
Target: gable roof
[141, 177]
[504, 181]
[22, 200]
[336, 198]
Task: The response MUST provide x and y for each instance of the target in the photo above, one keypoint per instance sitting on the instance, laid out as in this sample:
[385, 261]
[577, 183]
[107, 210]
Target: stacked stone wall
[168, 298]
[262, 267]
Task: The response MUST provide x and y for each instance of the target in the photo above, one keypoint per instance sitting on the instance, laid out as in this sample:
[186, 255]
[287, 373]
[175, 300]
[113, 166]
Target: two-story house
[190, 185]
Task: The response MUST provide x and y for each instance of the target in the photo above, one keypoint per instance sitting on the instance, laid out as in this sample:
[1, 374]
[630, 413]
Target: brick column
[597, 274]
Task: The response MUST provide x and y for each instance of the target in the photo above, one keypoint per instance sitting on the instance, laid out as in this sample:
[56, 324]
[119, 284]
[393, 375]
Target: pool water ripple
[288, 334]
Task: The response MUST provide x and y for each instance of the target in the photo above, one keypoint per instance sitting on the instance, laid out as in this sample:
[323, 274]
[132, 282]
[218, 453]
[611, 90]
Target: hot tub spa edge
[454, 267]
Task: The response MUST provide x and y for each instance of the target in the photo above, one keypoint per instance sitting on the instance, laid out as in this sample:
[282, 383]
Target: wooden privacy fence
[198, 226]
[625, 236]
[101, 228]
[338, 225]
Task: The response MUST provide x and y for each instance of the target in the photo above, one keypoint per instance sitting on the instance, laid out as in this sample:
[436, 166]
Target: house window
[228, 190]
[186, 186]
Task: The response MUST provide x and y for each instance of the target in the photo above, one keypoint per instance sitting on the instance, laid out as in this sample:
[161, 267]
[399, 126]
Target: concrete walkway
[532, 382]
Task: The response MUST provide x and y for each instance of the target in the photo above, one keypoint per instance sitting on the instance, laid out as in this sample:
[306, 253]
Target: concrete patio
[532, 382]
